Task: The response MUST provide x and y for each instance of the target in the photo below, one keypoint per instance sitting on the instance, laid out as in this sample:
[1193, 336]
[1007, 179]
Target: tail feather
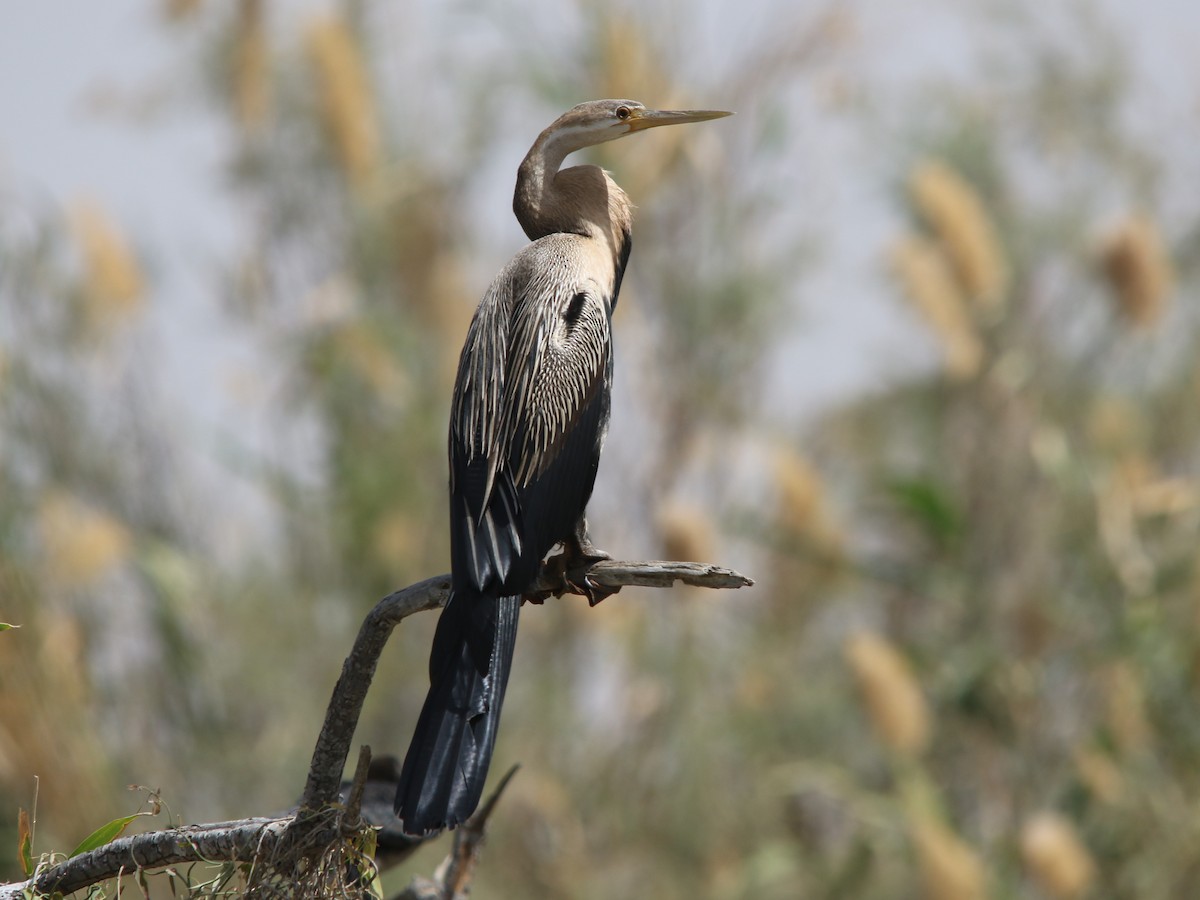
[447, 763]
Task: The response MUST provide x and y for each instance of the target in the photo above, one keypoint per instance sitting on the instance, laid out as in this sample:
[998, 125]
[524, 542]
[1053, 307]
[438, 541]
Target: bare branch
[662, 574]
[257, 839]
[355, 796]
[237, 841]
[341, 716]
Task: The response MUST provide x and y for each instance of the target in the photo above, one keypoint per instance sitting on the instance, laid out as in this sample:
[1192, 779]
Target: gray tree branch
[237, 841]
[251, 840]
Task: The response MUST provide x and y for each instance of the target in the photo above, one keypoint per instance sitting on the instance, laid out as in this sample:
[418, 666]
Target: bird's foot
[554, 571]
[578, 556]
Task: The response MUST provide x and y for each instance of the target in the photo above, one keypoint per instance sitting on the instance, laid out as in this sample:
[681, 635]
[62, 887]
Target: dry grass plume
[1055, 857]
[890, 691]
[957, 216]
[112, 280]
[1135, 261]
[347, 104]
[950, 869]
[251, 66]
[925, 275]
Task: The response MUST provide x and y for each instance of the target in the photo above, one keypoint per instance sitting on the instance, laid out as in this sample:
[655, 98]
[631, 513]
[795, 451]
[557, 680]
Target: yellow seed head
[63, 646]
[112, 278]
[629, 63]
[1056, 857]
[893, 698]
[803, 510]
[629, 66]
[1115, 425]
[801, 494]
[80, 543]
[1166, 497]
[1100, 775]
[1127, 708]
[1148, 493]
[925, 276]
[957, 215]
[686, 532]
[1139, 270]
[950, 869]
[429, 271]
[178, 10]
[251, 66]
[396, 538]
[756, 690]
[347, 103]
[361, 350]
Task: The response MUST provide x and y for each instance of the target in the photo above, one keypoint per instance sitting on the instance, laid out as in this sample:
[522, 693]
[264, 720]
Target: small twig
[479, 820]
[468, 844]
[354, 799]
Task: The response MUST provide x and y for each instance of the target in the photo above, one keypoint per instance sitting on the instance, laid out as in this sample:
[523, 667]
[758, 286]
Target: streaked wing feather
[557, 372]
[536, 359]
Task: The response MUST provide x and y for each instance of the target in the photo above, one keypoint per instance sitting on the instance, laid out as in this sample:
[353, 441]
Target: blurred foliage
[970, 670]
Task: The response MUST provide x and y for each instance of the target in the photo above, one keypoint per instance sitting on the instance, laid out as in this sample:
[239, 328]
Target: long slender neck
[579, 200]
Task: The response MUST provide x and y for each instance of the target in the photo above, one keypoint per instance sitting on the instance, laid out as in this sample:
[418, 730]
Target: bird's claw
[580, 582]
[569, 570]
[554, 571]
[579, 555]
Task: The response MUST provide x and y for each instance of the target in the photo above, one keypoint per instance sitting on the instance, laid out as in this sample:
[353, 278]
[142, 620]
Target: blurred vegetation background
[970, 666]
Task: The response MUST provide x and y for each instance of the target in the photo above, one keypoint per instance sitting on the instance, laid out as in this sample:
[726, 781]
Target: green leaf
[928, 503]
[104, 834]
[370, 843]
[367, 845]
[24, 842]
[375, 886]
[4, 626]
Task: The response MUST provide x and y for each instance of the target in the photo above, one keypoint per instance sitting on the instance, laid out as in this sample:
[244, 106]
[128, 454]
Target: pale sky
[63, 63]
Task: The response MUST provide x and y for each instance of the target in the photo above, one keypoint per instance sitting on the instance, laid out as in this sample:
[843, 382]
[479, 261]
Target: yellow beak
[641, 119]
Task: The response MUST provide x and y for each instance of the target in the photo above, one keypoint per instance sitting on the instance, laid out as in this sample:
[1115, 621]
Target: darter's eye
[623, 113]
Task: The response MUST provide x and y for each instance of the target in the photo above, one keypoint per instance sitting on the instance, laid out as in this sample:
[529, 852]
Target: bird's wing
[559, 357]
[483, 542]
[479, 390]
[526, 418]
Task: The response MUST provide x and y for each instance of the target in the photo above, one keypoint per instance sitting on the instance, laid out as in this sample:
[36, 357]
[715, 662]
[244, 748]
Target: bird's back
[531, 409]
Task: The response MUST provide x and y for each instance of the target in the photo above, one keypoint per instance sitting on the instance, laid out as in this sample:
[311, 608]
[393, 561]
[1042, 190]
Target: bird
[528, 419]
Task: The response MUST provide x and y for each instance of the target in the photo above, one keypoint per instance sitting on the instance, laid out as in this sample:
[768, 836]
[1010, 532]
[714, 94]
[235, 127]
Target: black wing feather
[530, 415]
[531, 411]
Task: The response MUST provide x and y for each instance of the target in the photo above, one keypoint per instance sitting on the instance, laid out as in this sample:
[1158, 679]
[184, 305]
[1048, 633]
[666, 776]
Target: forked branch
[319, 820]
[341, 716]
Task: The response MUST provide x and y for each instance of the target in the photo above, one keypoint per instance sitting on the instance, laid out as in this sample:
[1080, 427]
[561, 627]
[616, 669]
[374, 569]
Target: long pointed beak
[652, 118]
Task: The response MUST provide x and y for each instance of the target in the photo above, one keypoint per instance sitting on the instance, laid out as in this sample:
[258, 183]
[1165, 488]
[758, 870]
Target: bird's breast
[560, 266]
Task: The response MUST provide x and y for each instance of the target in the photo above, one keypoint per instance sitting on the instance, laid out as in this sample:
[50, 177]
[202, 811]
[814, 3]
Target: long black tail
[447, 762]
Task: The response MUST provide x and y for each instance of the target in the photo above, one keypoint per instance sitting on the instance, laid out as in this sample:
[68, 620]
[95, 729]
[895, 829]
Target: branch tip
[354, 800]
